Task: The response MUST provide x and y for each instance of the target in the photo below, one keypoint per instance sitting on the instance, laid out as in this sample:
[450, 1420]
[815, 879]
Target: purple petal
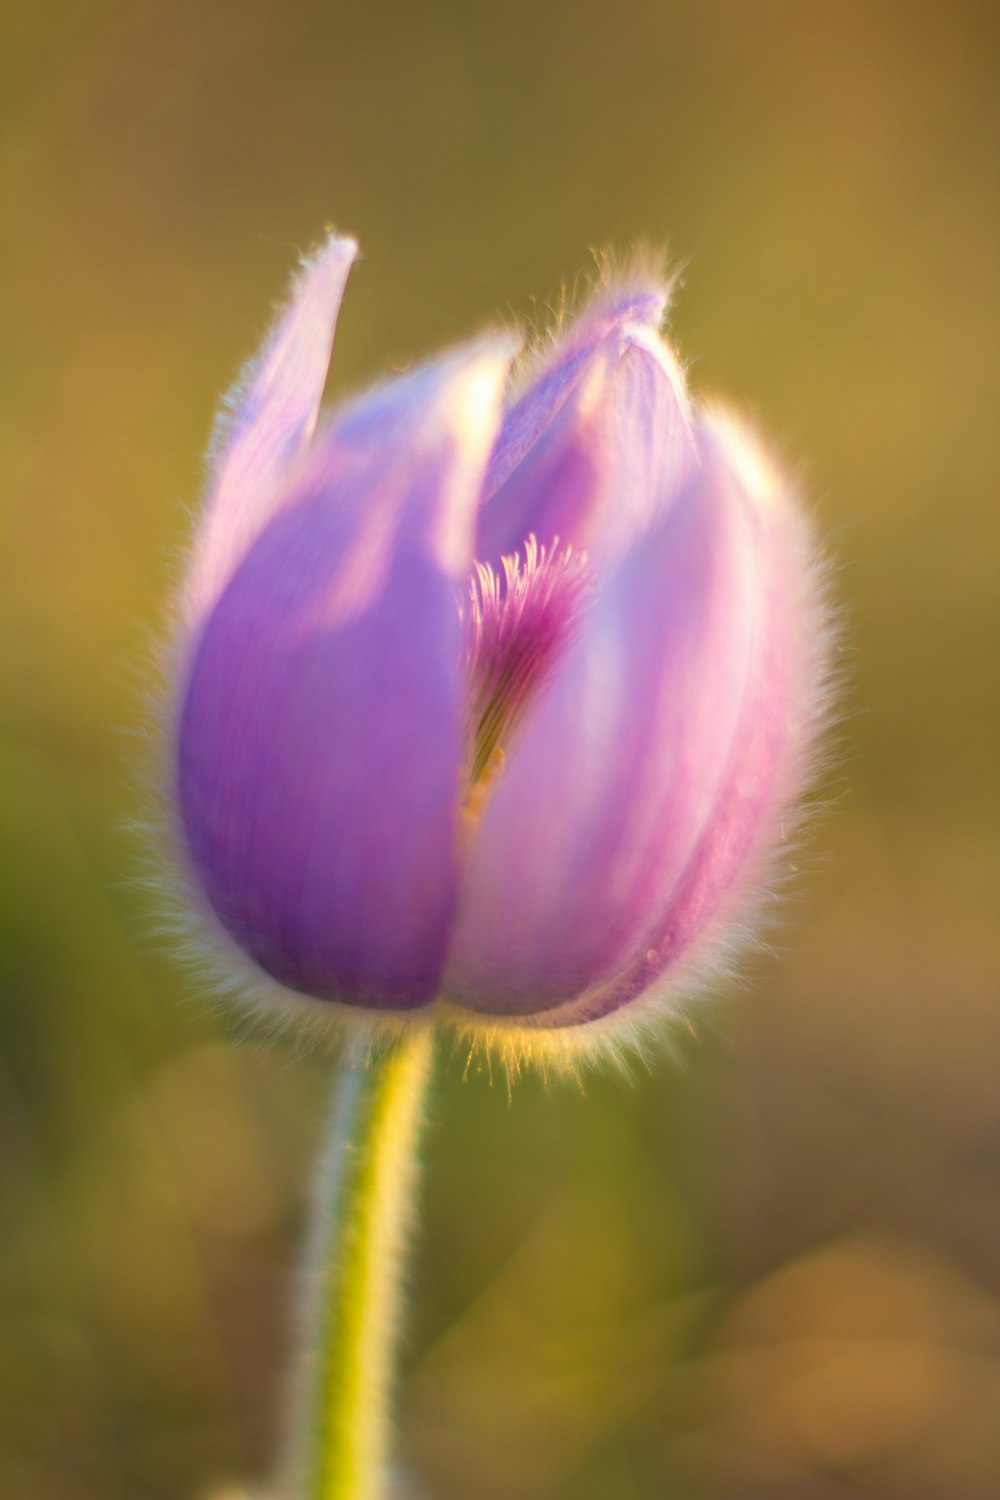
[594, 446]
[613, 796]
[266, 421]
[651, 438]
[322, 727]
[552, 380]
[558, 489]
[780, 719]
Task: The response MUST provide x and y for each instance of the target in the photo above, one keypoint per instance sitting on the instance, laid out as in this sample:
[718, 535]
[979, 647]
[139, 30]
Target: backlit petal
[266, 421]
[607, 798]
[595, 448]
[782, 713]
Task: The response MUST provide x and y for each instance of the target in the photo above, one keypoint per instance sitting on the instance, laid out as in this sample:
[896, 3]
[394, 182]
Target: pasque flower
[493, 690]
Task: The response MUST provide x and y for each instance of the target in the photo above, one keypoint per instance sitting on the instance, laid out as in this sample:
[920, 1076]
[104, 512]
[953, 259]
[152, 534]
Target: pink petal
[590, 451]
[551, 380]
[608, 800]
[781, 717]
[558, 490]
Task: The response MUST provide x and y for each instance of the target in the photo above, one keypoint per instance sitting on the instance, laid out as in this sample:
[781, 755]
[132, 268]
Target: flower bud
[492, 694]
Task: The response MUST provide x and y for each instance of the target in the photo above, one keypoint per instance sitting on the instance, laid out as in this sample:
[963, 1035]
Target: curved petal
[553, 379]
[322, 728]
[559, 487]
[265, 422]
[616, 393]
[606, 800]
[780, 720]
[650, 441]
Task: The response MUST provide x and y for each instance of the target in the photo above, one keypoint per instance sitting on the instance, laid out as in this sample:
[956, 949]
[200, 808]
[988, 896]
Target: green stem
[354, 1296]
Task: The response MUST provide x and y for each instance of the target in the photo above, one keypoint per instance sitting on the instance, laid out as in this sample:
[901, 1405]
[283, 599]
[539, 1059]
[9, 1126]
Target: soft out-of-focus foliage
[771, 1271]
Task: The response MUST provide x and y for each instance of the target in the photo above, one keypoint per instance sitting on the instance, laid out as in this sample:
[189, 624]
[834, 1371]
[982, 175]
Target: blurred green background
[765, 1266]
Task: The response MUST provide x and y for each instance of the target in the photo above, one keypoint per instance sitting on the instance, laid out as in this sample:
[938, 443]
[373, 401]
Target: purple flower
[488, 697]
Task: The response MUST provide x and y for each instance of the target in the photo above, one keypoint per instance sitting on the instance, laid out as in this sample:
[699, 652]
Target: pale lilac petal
[651, 435]
[782, 714]
[552, 379]
[322, 729]
[559, 488]
[266, 422]
[606, 800]
[594, 450]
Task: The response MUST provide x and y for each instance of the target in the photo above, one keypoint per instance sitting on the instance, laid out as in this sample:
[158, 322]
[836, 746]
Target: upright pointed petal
[550, 380]
[611, 405]
[612, 796]
[266, 421]
[322, 728]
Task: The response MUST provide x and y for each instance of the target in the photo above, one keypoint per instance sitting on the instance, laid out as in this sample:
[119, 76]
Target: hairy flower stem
[364, 1198]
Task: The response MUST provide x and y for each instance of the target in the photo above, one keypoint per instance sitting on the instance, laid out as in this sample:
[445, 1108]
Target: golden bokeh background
[764, 1268]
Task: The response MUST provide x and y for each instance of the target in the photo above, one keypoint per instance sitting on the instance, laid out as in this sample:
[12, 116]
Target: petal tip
[337, 247]
[636, 288]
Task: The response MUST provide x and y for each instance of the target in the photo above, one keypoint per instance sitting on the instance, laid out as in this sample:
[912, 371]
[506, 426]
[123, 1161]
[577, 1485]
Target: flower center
[517, 624]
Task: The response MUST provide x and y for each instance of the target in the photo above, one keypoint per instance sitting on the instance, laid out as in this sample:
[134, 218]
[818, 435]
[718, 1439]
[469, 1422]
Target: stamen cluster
[516, 624]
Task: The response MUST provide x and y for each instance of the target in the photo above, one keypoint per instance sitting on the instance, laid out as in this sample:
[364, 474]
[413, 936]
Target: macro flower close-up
[494, 686]
[498, 928]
